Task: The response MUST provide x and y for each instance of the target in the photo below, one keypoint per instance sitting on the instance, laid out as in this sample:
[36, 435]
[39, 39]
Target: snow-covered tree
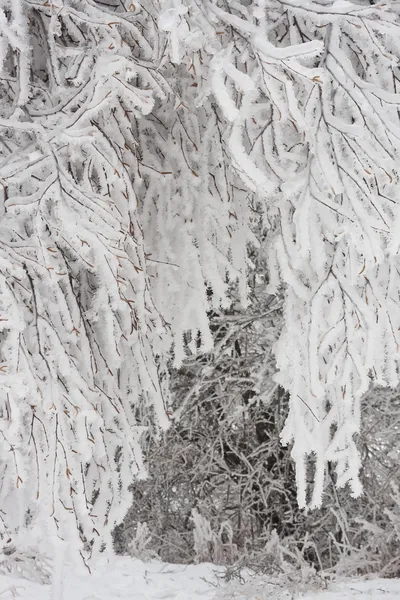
[309, 97]
[137, 140]
[111, 232]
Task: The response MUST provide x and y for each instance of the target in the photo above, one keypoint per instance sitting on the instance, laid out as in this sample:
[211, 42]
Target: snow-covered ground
[129, 579]
[378, 589]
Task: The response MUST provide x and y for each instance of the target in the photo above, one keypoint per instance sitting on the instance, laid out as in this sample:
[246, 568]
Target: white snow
[377, 589]
[129, 579]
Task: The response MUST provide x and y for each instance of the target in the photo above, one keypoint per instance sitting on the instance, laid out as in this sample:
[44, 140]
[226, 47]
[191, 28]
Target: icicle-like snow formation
[308, 94]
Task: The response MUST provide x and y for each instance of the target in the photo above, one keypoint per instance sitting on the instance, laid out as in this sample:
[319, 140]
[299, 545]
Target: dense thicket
[222, 487]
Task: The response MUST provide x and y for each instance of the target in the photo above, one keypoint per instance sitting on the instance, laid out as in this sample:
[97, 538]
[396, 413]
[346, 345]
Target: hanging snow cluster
[111, 230]
[308, 96]
[137, 139]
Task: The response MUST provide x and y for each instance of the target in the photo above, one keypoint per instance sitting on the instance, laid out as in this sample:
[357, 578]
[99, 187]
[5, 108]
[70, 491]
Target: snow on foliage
[136, 141]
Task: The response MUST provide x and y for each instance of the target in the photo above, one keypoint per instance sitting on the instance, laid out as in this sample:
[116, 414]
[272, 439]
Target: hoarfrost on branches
[137, 142]
[310, 101]
[109, 234]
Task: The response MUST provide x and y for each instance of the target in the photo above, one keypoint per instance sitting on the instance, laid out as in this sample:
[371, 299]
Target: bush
[221, 485]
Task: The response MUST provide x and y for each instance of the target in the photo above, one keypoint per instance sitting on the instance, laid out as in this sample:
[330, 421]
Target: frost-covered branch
[110, 231]
[310, 101]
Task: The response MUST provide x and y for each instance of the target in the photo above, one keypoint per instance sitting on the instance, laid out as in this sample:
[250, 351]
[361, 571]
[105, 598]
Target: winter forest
[199, 297]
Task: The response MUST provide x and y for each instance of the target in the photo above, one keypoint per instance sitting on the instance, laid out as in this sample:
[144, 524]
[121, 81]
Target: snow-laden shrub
[25, 563]
[140, 542]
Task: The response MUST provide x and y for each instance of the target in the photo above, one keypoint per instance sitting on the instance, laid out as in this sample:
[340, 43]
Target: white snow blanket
[129, 579]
